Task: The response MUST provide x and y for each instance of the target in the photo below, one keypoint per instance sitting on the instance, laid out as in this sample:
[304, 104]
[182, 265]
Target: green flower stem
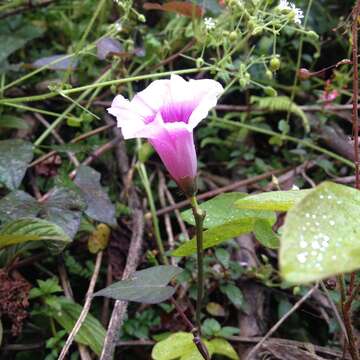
[58, 120]
[146, 183]
[199, 216]
[101, 84]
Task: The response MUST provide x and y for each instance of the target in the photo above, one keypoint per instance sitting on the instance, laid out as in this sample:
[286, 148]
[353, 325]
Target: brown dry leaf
[179, 7]
[14, 299]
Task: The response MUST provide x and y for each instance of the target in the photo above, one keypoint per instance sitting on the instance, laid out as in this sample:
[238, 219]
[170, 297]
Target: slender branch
[280, 322]
[346, 312]
[86, 308]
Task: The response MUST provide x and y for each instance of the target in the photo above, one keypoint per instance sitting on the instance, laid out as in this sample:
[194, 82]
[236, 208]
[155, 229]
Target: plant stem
[199, 216]
[346, 312]
[145, 180]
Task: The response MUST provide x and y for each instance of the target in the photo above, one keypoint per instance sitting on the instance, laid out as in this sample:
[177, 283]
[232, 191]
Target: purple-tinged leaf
[56, 62]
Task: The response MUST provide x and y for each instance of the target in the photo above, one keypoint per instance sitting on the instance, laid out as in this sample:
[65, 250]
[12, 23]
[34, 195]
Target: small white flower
[209, 23]
[118, 26]
[284, 5]
[298, 14]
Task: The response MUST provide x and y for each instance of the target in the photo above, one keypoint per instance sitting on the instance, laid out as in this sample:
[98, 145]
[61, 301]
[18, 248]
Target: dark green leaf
[99, 206]
[64, 207]
[147, 286]
[321, 235]
[30, 229]
[265, 235]
[15, 155]
[16, 205]
[234, 294]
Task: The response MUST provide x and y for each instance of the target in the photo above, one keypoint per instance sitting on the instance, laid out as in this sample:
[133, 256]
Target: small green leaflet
[147, 286]
[321, 235]
[180, 345]
[272, 200]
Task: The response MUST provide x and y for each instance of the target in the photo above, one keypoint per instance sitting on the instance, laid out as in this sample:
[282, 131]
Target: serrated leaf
[281, 103]
[30, 229]
[223, 347]
[224, 221]
[147, 286]
[273, 200]
[265, 234]
[18, 204]
[178, 345]
[321, 235]
[15, 155]
[99, 206]
[91, 332]
[64, 207]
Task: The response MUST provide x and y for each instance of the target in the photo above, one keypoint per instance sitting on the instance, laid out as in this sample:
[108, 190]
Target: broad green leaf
[221, 210]
[99, 206]
[223, 347]
[13, 122]
[147, 286]
[30, 229]
[64, 207]
[265, 234]
[15, 155]
[216, 236]
[178, 345]
[224, 221]
[18, 204]
[91, 332]
[272, 200]
[321, 235]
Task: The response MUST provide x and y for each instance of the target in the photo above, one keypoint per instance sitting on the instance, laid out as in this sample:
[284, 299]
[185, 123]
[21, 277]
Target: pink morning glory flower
[166, 113]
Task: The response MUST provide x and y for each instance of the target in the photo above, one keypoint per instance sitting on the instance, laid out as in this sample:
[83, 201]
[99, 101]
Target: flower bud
[304, 74]
[199, 62]
[270, 91]
[233, 36]
[275, 63]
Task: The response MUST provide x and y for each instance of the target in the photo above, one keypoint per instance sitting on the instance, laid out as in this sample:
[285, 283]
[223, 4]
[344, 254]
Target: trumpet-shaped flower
[166, 113]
